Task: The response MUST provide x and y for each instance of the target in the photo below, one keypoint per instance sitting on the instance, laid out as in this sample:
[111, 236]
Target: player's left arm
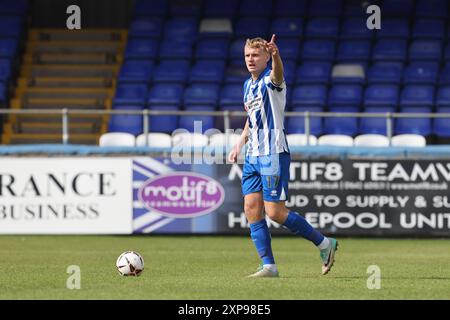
[277, 73]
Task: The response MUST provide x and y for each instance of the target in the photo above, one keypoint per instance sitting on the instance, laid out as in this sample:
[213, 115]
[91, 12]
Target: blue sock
[261, 238]
[298, 225]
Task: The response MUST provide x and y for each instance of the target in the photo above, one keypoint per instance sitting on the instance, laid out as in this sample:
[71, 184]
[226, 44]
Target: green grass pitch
[213, 267]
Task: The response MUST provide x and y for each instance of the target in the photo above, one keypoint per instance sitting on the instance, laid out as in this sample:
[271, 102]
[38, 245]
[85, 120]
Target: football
[130, 263]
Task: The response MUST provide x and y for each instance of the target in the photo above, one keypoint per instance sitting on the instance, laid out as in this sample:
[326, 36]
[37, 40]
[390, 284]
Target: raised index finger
[272, 40]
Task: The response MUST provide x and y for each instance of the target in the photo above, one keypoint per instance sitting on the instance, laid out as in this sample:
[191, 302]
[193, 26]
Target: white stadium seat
[220, 139]
[117, 139]
[299, 139]
[409, 140]
[371, 140]
[339, 140]
[155, 139]
[190, 139]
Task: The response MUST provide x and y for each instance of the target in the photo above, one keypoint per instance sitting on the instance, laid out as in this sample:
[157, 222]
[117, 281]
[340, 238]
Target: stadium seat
[289, 71]
[300, 140]
[429, 29]
[131, 94]
[236, 121]
[236, 50]
[420, 126]
[441, 126]
[443, 97]
[163, 123]
[224, 140]
[375, 125]
[325, 8]
[146, 27]
[447, 53]
[207, 71]
[212, 49]
[231, 95]
[345, 95]
[398, 8]
[139, 71]
[296, 124]
[13, 7]
[8, 48]
[338, 140]
[236, 75]
[190, 139]
[313, 73]
[216, 28]
[260, 8]
[287, 28]
[126, 123]
[393, 29]
[181, 29]
[5, 70]
[371, 140]
[444, 75]
[322, 50]
[117, 139]
[220, 8]
[427, 50]
[417, 96]
[381, 96]
[172, 71]
[10, 26]
[309, 96]
[188, 121]
[3, 97]
[356, 29]
[157, 8]
[141, 49]
[351, 51]
[341, 125]
[389, 50]
[185, 8]
[348, 74]
[421, 73]
[291, 8]
[179, 50]
[355, 8]
[289, 48]
[252, 27]
[322, 28]
[154, 139]
[165, 93]
[201, 94]
[408, 140]
[385, 73]
[432, 9]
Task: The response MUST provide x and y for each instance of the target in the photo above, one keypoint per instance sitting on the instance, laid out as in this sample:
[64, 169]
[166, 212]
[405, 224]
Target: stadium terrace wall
[341, 191]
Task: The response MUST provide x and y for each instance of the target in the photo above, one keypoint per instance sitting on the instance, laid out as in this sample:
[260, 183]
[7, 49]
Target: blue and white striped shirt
[265, 103]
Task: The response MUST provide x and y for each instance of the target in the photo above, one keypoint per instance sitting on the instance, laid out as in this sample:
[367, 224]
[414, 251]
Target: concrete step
[51, 128]
[79, 71]
[67, 93]
[74, 47]
[72, 58]
[62, 82]
[58, 104]
[25, 138]
[118, 35]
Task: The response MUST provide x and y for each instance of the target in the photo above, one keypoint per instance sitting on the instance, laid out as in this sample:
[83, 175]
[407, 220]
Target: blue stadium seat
[341, 125]
[251, 28]
[184, 29]
[291, 8]
[141, 49]
[236, 75]
[154, 8]
[320, 50]
[426, 50]
[389, 50]
[441, 126]
[231, 95]
[212, 49]
[201, 94]
[356, 29]
[398, 8]
[287, 27]
[236, 50]
[393, 29]
[350, 51]
[297, 124]
[136, 71]
[444, 76]
[13, 7]
[187, 121]
[289, 71]
[2, 93]
[146, 27]
[131, 94]
[345, 95]
[289, 48]
[417, 96]
[260, 8]
[322, 28]
[349, 73]
[309, 96]
[383, 96]
[5, 70]
[443, 97]
[180, 50]
[163, 123]
[220, 8]
[447, 53]
[421, 126]
[185, 8]
[8, 48]
[208, 71]
[421, 73]
[236, 122]
[325, 8]
[432, 9]
[10, 26]
[165, 94]
[355, 8]
[429, 29]
[374, 125]
[313, 73]
[172, 71]
[126, 123]
[385, 73]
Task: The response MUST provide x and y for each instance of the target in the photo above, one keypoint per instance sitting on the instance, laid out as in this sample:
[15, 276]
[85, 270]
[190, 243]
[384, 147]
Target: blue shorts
[269, 174]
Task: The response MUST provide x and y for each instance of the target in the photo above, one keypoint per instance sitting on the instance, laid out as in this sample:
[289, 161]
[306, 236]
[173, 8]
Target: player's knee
[279, 216]
[253, 211]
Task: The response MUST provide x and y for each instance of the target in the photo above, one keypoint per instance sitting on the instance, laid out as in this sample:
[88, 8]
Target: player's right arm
[232, 156]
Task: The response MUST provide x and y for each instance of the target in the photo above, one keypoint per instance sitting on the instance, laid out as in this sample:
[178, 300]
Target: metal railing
[307, 115]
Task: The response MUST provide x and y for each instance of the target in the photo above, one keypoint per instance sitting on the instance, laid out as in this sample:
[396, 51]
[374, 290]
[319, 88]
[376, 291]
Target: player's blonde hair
[256, 43]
